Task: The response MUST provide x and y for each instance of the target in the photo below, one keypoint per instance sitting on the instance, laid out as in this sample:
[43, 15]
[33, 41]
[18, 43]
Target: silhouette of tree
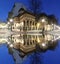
[35, 6]
[35, 58]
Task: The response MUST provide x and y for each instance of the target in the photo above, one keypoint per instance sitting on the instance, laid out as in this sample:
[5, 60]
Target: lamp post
[11, 23]
[43, 22]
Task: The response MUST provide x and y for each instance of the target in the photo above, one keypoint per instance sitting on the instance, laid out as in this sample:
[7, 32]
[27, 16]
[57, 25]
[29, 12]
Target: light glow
[43, 44]
[43, 20]
[11, 45]
[38, 24]
[11, 20]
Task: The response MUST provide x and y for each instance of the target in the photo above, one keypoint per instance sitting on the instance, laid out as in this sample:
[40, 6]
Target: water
[5, 57]
[49, 57]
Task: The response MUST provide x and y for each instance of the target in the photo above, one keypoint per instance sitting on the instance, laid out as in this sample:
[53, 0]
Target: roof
[16, 8]
[23, 11]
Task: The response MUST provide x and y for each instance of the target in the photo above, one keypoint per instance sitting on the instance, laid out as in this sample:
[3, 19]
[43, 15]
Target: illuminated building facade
[26, 32]
[30, 32]
[26, 21]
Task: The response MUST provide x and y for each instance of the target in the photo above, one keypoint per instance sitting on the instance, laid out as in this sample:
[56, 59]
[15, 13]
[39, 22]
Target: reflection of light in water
[11, 45]
[8, 42]
[32, 38]
[43, 44]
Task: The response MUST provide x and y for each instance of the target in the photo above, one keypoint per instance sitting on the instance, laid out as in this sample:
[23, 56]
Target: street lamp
[43, 20]
[11, 22]
[44, 46]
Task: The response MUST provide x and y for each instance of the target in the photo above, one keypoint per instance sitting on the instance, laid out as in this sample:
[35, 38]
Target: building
[25, 24]
[26, 21]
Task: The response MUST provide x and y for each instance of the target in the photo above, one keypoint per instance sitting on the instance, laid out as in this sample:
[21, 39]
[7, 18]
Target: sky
[49, 7]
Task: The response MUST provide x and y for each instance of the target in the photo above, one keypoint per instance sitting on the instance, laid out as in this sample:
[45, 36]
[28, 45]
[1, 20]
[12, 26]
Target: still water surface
[49, 57]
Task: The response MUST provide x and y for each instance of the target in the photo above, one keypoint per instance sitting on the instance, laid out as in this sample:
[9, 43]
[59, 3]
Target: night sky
[49, 7]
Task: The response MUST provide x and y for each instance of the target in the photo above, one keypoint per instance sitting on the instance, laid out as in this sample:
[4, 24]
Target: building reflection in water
[25, 34]
[27, 43]
[22, 45]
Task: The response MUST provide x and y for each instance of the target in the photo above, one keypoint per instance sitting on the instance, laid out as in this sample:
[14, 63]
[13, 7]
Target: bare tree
[35, 6]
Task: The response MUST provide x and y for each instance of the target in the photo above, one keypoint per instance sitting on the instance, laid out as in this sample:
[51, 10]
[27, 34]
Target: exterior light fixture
[43, 20]
[11, 20]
